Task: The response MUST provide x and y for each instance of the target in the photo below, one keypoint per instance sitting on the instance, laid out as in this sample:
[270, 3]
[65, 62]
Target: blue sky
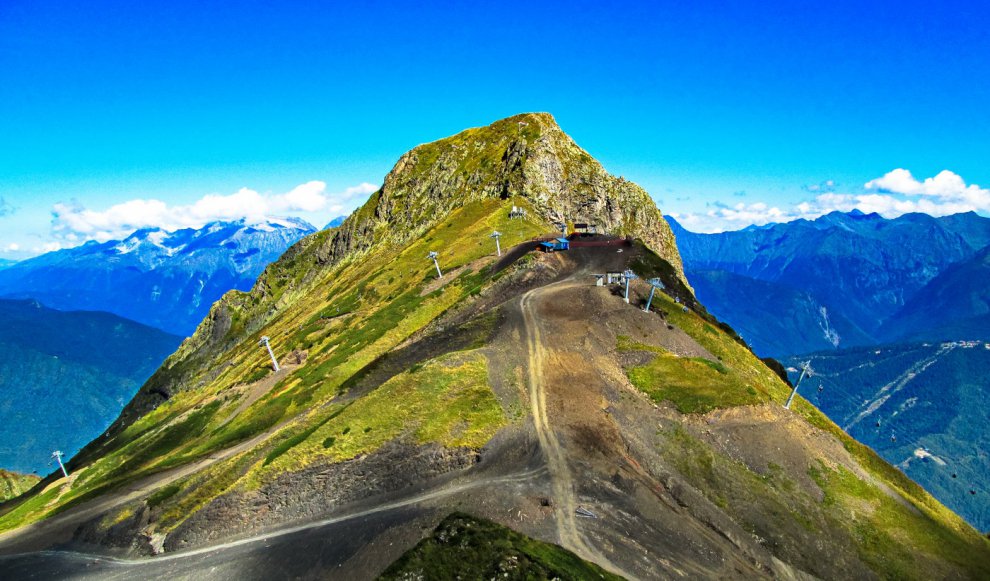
[727, 112]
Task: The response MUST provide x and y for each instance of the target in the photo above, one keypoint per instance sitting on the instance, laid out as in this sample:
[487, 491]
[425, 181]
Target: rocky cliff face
[526, 158]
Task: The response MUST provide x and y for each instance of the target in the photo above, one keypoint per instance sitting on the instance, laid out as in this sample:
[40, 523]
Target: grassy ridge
[692, 384]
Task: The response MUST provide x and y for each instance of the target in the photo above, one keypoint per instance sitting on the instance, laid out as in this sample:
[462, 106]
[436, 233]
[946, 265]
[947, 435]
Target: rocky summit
[515, 400]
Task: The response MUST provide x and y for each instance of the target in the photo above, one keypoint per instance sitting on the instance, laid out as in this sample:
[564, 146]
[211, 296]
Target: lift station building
[555, 245]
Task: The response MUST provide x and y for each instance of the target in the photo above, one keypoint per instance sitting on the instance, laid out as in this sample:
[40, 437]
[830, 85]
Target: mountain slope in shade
[861, 267]
[921, 406]
[166, 280]
[65, 376]
[513, 387]
[787, 320]
[954, 305]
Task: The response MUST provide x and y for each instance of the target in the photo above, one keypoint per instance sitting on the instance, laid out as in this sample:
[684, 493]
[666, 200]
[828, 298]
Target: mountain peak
[526, 158]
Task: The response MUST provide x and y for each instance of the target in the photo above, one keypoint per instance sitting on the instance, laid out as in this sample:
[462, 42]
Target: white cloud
[12, 247]
[74, 224]
[47, 247]
[892, 195]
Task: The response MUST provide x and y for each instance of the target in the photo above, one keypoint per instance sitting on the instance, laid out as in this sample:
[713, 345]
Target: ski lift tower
[654, 285]
[433, 256]
[57, 455]
[805, 371]
[264, 341]
[628, 275]
[498, 247]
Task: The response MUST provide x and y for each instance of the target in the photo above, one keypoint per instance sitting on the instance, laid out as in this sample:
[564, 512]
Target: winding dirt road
[564, 496]
[153, 563]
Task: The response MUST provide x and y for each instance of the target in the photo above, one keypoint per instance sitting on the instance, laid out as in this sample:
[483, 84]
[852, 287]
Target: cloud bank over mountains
[73, 224]
[895, 193]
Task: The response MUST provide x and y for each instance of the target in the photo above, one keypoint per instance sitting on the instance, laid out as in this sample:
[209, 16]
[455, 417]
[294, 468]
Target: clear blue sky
[703, 103]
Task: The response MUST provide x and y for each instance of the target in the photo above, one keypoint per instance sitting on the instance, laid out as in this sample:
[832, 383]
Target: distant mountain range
[4, 263]
[335, 223]
[167, 280]
[843, 280]
[64, 376]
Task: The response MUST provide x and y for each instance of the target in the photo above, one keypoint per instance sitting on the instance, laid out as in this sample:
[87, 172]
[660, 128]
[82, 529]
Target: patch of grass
[162, 494]
[13, 484]
[288, 443]
[693, 385]
[447, 401]
[28, 509]
[159, 447]
[468, 547]
[731, 353]
[891, 537]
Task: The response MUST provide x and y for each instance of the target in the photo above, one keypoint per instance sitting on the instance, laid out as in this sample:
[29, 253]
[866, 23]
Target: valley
[918, 405]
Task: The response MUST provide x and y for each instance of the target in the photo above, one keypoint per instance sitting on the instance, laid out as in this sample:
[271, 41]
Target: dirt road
[563, 483]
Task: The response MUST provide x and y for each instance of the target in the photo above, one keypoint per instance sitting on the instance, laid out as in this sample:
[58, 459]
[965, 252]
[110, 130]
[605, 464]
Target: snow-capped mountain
[163, 279]
[335, 222]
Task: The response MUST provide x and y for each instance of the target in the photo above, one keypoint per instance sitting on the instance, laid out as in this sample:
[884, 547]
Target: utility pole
[433, 256]
[805, 370]
[58, 457]
[628, 275]
[498, 247]
[654, 285]
[264, 341]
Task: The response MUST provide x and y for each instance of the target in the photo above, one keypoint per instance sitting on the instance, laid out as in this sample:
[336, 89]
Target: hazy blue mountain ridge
[167, 280]
[858, 269]
[953, 305]
[64, 376]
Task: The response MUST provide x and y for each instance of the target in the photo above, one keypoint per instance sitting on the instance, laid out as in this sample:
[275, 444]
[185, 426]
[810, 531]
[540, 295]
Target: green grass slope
[352, 315]
[467, 547]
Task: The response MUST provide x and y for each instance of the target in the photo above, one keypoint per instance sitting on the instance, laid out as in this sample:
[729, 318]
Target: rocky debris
[318, 490]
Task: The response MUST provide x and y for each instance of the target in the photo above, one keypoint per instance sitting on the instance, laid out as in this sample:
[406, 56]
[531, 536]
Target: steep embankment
[515, 389]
